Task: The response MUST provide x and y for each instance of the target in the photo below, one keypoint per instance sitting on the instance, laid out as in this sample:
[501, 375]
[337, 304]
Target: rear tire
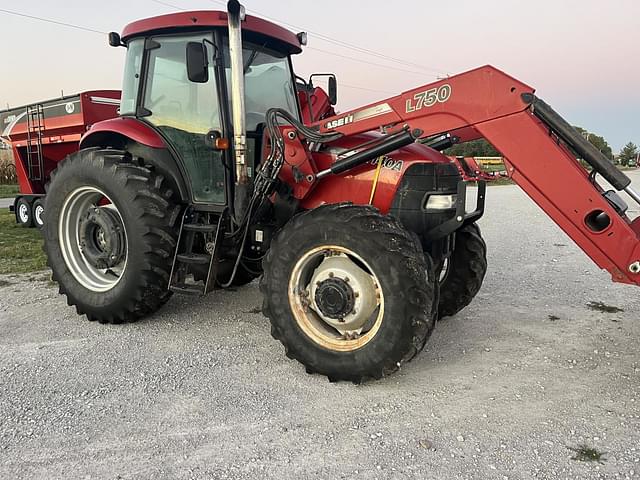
[465, 273]
[367, 242]
[24, 215]
[148, 215]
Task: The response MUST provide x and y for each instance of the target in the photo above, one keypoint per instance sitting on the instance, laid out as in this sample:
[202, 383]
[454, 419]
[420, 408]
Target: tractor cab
[178, 81]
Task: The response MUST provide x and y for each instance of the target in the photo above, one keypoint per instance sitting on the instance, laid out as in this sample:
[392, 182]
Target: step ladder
[194, 265]
[35, 130]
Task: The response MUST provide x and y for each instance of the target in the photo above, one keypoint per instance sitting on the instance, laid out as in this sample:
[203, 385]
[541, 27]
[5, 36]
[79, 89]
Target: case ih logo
[341, 122]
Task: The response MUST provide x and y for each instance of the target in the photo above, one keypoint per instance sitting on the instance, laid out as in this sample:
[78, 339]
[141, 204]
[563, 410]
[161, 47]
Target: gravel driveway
[504, 390]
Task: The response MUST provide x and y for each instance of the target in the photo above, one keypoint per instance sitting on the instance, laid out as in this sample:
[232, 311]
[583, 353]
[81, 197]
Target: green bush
[7, 172]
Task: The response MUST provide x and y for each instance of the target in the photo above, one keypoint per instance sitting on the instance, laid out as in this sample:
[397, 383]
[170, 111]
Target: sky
[582, 56]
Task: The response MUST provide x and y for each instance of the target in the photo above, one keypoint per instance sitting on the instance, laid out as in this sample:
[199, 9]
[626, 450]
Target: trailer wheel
[461, 276]
[38, 211]
[24, 215]
[346, 292]
[110, 235]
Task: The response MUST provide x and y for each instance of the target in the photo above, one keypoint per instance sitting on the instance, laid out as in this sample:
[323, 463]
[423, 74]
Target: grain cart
[42, 134]
[219, 170]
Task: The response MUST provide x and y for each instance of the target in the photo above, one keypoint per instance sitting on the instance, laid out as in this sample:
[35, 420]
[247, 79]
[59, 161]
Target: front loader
[224, 167]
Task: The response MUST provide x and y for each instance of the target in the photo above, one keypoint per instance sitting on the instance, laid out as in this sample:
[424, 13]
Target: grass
[9, 191]
[20, 248]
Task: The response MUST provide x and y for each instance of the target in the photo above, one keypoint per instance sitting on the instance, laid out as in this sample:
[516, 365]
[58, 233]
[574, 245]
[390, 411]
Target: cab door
[184, 111]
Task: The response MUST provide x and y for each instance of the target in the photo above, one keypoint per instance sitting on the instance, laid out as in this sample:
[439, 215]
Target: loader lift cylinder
[393, 142]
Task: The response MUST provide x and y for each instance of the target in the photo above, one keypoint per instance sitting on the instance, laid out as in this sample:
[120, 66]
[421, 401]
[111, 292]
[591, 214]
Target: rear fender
[143, 142]
[126, 127]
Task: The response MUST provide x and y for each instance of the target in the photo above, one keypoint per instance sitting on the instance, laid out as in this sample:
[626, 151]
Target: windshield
[268, 83]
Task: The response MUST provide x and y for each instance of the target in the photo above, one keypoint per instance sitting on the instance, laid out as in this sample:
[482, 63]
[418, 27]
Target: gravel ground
[504, 390]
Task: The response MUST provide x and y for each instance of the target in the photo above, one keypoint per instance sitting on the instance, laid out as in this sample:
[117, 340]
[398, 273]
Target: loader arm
[535, 142]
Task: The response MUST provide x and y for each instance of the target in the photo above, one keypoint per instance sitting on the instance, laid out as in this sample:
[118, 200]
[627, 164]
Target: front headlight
[441, 202]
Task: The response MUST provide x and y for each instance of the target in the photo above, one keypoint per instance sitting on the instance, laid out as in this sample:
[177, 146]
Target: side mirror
[197, 62]
[115, 40]
[333, 90]
[332, 85]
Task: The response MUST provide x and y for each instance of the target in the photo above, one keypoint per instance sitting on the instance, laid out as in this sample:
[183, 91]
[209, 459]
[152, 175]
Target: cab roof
[281, 38]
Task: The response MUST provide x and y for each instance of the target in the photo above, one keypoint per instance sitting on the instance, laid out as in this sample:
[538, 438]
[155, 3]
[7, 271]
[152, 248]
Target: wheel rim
[37, 214]
[23, 213]
[319, 287]
[72, 235]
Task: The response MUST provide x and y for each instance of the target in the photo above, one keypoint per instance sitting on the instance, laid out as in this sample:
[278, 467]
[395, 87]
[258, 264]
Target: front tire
[464, 271]
[346, 292]
[110, 235]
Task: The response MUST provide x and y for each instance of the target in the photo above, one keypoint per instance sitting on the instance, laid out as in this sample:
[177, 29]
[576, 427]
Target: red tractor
[223, 167]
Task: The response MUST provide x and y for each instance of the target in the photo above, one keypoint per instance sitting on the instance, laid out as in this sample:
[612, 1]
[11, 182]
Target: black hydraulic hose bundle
[270, 169]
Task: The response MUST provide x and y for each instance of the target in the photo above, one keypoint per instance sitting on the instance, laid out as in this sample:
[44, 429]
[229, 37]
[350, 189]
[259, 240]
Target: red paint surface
[316, 106]
[355, 185]
[129, 127]
[61, 136]
[210, 18]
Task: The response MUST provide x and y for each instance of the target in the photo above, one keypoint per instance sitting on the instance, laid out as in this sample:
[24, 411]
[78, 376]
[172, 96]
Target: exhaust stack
[235, 15]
